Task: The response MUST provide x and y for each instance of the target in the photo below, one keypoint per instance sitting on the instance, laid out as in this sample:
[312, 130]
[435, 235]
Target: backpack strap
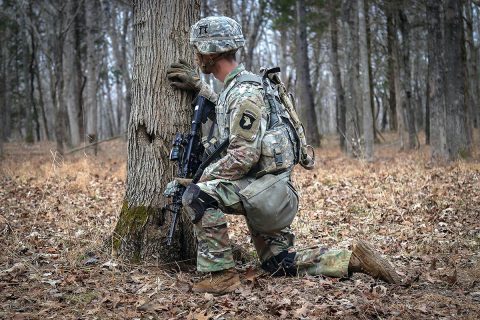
[248, 78]
[243, 78]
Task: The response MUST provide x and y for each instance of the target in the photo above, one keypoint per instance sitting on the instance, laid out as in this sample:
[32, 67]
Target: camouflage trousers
[214, 249]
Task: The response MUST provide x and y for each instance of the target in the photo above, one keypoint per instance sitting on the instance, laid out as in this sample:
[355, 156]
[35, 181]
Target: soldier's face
[205, 62]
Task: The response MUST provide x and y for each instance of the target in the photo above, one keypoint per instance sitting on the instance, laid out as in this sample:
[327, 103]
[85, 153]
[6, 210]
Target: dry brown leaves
[55, 215]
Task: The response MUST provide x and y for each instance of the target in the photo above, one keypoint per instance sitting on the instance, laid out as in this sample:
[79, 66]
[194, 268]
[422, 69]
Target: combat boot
[366, 260]
[219, 282]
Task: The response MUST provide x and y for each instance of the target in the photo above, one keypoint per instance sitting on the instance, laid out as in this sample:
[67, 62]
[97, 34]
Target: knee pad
[283, 264]
[198, 201]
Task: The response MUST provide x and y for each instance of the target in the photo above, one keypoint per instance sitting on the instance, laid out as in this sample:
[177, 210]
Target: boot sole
[369, 257]
[229, 289]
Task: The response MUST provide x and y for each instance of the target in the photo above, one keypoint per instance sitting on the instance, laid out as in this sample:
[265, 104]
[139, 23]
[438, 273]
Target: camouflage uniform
[225, 178]
[242, 115]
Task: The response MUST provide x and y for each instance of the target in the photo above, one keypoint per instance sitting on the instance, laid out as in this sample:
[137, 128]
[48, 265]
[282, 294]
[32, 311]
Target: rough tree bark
[161, 33]
[400, 93]
[405, 76]
[458, 132]
[91, 86]
[366, 5]
[28, 94]
[71, 85]
[368, 127]
[304, 86]
[225, 7]
[349, 27]
[3, 90]
[58, 25]
[337, 77]
[119, 48]
[438, 138]
[392, 114]
[472, 67]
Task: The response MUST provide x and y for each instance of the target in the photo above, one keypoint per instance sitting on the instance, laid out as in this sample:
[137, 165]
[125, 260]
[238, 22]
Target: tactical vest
[284, 143]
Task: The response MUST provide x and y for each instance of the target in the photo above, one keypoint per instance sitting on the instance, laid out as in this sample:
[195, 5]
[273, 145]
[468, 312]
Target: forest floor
[56, 214]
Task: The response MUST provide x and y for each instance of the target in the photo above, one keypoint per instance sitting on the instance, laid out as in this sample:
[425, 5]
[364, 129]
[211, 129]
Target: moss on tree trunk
[141, 235]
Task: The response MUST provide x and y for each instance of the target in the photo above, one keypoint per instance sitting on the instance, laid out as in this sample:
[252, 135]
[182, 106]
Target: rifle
[188, 151]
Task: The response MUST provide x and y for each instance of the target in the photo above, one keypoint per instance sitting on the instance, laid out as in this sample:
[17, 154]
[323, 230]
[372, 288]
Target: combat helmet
[216, 35]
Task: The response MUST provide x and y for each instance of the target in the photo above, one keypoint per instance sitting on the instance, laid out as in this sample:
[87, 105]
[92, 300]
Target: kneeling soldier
[251, 176]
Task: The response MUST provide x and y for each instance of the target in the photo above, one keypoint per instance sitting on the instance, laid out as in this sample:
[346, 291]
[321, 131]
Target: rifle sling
[209, 160]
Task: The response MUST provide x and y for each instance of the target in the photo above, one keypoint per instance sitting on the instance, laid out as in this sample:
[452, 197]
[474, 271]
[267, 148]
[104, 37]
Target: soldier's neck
[223, 67]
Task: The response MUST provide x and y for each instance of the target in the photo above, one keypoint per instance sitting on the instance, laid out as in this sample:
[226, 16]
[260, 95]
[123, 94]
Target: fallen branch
[94, 144]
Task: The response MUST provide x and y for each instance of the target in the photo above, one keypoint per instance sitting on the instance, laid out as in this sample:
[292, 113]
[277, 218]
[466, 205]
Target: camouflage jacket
[242, 118]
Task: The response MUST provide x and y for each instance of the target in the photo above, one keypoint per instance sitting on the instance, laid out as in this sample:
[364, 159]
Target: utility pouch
[277, 152]
[270, 202]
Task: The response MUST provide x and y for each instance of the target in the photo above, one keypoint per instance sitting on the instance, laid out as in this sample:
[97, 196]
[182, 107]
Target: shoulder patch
[246, 120]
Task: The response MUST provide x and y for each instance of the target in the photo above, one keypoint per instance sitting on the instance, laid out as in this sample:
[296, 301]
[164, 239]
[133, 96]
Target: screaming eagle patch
[246, 120]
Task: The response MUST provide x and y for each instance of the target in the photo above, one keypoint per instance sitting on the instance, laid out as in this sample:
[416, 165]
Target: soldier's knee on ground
[197, 202]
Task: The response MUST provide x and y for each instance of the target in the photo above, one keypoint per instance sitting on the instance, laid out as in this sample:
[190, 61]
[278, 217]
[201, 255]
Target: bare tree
[71, 84]
[458, 131]
[157, 113]
[253, 17]
[91, 21]
[350, 38]
[368, 127]
[337, 77]
[304, 86]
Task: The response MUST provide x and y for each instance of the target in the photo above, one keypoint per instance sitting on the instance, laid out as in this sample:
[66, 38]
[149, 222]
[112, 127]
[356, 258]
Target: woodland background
[358, 68]
[388, 93]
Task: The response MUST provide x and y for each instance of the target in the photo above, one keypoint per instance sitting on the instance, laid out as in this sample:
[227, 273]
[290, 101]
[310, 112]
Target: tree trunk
[119, 48]
[28, 94]
[3, 91]
[400, 93]
[225, 8]
[392, 101]
[45, 133]
[157, 114]
[368, 127]
[304, 87]
[459, 136]
[91, 18]
[366, 6]
[71, 88]
[352, 138]
[58, 94]
[405, 76]
[472, 99]
[476, 53]
[253, 34]
[337, 77]
[438, 138]
[427, 105]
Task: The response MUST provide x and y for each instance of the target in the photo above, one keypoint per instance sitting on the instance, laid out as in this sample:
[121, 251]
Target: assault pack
[284, 143]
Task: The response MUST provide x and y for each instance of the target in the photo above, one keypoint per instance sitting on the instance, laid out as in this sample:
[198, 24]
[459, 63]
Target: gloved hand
[184, 76]
[171, 188]
[184, 182]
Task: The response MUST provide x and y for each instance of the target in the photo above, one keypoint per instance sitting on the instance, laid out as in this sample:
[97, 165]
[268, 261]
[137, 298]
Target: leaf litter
[56, 215]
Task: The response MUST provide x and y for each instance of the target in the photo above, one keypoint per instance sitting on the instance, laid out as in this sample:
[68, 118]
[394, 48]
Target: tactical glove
[184, 182]
[171, 189]
[184, 76]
